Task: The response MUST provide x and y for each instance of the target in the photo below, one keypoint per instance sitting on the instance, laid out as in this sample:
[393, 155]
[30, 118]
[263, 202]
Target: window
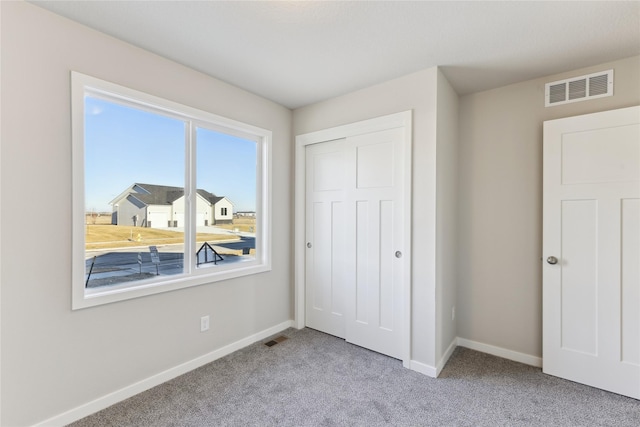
[149, 176]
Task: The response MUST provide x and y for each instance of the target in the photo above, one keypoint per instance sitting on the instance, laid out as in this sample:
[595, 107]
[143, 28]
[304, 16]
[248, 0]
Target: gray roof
[210, 197]
[152, 194]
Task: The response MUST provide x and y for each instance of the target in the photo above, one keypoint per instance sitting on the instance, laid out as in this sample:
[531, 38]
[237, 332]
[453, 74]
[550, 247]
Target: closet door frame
[392, 121]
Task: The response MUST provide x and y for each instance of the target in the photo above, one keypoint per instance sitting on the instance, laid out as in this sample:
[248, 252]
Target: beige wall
[417, 92]
[54, 359]
[500, 204]
[446, 215]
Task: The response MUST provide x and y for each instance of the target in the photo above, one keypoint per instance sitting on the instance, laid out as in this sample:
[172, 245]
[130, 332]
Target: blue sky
[124, 145]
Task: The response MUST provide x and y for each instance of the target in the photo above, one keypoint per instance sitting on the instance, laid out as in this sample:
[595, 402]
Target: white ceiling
[300, 52]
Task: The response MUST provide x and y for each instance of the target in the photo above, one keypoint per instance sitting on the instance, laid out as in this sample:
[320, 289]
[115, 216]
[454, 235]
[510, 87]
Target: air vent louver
[558, 93]
[581, 88]
[598, 85]
[578, 89]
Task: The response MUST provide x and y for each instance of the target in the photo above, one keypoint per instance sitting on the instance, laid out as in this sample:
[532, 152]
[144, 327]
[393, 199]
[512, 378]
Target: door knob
[552, 260]
[309, 244]
[398, 254]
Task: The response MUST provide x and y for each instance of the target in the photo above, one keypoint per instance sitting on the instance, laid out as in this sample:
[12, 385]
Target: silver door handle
[552, 260]
[309, 244]
[398, 254]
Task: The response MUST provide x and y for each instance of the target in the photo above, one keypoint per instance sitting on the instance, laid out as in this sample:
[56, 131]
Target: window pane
[134, 186]
[226, 208]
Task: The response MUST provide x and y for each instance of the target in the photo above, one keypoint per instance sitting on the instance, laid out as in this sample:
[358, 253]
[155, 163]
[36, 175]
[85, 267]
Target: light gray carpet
[313, 379]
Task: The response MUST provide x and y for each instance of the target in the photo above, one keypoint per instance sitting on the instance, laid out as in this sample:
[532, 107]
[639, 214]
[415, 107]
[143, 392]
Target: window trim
[81, 84]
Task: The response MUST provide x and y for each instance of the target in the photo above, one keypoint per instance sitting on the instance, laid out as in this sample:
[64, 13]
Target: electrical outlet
[204, 323]
[453, 313]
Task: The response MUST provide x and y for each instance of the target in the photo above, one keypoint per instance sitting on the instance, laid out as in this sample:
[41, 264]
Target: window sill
[107, 294]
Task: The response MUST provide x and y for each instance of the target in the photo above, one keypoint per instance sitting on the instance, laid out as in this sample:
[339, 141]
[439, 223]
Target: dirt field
[122, 236]
[244, 224]
[100, 234]
[103, 218]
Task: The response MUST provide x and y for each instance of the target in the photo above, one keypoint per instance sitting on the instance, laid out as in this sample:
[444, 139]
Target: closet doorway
[353, 187]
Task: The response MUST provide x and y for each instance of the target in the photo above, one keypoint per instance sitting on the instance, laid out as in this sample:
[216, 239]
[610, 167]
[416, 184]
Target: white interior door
[355, 228]
[326, 229]
[591, 250]
[375, 244]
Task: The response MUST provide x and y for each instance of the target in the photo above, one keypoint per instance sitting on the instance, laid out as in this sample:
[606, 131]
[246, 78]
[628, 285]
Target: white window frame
[81, 85]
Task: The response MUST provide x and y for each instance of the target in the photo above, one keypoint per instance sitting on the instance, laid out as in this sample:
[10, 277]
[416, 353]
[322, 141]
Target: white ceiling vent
[596, 85]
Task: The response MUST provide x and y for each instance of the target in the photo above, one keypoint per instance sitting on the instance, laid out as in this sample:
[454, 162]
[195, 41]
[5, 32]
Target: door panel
[591, 223]
[363, 263]
[328, 256]
[338, 255]
[374, 165]
[579, 276]
[600, 155]
[387, 283]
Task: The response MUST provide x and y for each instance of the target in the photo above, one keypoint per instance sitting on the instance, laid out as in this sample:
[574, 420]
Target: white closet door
[355, 227]
[591, 250]
[326, 229]
[375, 244]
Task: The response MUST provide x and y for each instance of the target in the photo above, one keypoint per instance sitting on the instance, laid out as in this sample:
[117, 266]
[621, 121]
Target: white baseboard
[423, 368]
[516, 356]
[434, 372]
[445, 357]
[157, 379]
